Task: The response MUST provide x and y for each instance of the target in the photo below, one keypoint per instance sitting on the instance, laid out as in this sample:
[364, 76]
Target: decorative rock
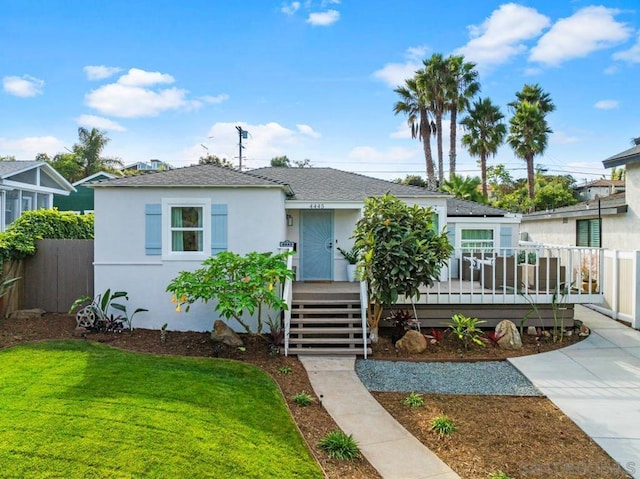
[80, 332]
[546, 334]
[27, 313]
[584, 331]
[224, 334]
[509, 335]
[568, 333]
[412, 342]
[531, 331]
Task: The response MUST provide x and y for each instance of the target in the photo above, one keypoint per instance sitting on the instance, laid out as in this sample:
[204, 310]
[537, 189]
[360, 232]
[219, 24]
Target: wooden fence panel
[59, 273]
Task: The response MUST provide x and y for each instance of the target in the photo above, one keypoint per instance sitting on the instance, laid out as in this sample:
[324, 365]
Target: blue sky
[308, 79]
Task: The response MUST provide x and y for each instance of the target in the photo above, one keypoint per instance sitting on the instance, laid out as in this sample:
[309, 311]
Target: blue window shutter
[153, 229]
[218, 228]
[506, 239]
[451, 234]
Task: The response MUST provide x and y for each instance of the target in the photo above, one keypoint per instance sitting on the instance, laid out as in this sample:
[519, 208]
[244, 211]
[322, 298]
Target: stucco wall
[256, 222]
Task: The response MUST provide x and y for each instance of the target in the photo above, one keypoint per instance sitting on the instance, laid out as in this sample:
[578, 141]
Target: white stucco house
[28, 185]
[150, 227]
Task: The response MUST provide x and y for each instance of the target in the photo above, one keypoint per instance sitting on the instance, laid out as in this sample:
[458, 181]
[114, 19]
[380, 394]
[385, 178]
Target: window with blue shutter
[506, 240]
[218, 229]
[153, 229]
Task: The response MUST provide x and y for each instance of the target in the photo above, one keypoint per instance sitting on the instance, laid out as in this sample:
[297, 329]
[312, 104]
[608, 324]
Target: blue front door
[316, 246]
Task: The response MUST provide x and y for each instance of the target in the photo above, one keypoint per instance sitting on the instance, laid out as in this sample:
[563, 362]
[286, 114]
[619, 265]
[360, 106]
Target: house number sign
[316, 206]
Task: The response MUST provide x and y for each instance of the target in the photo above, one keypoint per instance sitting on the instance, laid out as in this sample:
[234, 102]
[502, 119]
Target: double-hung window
[477, 240]
[187, 229]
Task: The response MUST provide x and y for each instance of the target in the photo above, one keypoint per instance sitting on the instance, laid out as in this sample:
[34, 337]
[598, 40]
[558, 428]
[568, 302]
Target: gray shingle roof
[329, 184]
[8, 168]
[632, 155]
[611, 204]
[197, 176]
[458, 207]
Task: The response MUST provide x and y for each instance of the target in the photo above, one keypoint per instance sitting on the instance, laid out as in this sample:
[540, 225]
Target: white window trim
[496, 235]
[167, 204]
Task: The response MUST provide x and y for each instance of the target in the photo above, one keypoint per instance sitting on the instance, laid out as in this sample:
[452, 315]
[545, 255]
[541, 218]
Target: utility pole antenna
[241, 134]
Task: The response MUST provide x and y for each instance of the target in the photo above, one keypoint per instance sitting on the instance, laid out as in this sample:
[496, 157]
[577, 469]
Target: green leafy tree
[551, 192]
[67, 164]
[500, 180]
[280, 162]
[412, 180]
[210, 159]
[485, 132]
[416, 106]
[7, 158]
[462, 85]
[306, 163]
[463, 187]
[399, 250]
[528, 128]
[618, 174]
[237, 284]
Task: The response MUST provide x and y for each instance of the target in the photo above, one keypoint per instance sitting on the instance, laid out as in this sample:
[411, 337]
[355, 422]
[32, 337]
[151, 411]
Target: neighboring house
[600, 188]
[152, 165]
[81, 200]
[601, 222]
[28, 185]
[172, 220]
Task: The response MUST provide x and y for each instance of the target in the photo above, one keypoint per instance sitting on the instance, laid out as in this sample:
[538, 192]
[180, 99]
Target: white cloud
[290, 8]
[214, 100]
[323, 19]
[100, 72]
[530, 72]
[631, 55]
[263, 143]
[587, 30]
[611, 70]
[99, 122]
[136, 77]
[606, 104]
[561, 138]
[307, 130]
[394, 74]
[134, 102]
[27, 148]
[326, 3]
[386, 156]
[137, 94]
[24, 86]
[501, 36]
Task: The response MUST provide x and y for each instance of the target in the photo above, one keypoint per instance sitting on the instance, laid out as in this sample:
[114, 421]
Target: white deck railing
[287, 296]
[528, 273]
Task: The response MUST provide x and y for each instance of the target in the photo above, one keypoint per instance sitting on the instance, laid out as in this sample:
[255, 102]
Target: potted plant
[589, 274]
[352, 261]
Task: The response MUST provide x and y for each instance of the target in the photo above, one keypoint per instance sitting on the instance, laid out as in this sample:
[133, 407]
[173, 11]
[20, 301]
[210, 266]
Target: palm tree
[89, 148]
[465, 188]
[485, 132]
[462, 86]
[528, 136]
[534, 94]
[434, 79]
[414, 103]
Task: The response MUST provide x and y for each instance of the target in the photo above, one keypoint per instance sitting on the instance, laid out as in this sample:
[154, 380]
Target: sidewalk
[387, 445]
[596, 383]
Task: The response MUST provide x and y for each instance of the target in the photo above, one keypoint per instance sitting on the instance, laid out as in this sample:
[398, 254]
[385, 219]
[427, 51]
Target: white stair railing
[287, 297]
[364, 304]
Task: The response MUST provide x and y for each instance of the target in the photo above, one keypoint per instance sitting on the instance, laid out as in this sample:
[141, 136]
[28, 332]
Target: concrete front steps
[326, 323]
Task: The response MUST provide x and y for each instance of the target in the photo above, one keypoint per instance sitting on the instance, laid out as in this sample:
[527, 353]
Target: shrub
[302, 399]
[499, 475]
[340, 446]
[414, 400]
[443, 426]
[19, 240]
[466, 330]
[285, 370]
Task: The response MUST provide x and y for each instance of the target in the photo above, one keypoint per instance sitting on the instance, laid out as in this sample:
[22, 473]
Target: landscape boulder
[509, 335]
[222, 333]
[413, 342]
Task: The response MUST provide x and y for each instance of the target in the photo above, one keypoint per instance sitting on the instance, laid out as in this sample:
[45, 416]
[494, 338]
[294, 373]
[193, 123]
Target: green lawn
[83, 410]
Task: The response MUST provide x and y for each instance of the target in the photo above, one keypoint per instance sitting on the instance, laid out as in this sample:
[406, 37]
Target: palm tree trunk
[483, 172]
[530, 178]
[425, 135]
[452, 142]
[439, 140]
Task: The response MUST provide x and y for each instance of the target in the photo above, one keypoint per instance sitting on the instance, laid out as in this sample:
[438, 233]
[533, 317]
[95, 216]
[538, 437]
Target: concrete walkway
[388, 446]
[596, 383]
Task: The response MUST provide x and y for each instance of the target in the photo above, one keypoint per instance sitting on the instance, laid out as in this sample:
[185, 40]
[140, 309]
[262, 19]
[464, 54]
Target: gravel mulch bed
[481, 378]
